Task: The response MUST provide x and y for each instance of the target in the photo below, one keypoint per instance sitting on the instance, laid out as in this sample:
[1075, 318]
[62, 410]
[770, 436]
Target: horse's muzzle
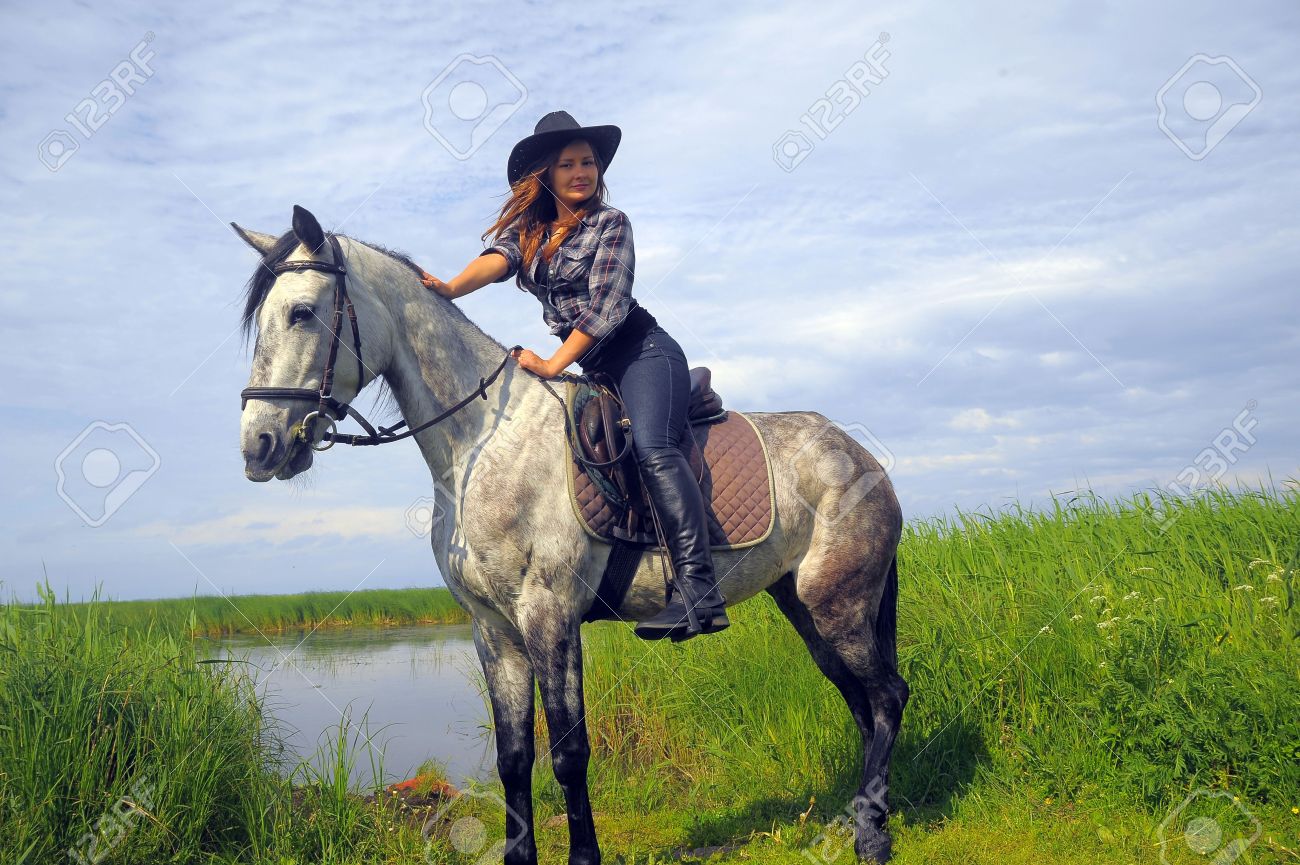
[269, 456]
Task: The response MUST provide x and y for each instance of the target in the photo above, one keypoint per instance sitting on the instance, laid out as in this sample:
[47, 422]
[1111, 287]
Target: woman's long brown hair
[533, 205]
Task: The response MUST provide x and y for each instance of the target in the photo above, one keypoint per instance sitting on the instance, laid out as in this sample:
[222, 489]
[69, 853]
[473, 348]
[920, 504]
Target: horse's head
[291, 302]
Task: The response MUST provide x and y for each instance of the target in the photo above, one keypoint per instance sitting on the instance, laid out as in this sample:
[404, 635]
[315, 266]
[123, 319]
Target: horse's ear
[263, 243]
[307, 229]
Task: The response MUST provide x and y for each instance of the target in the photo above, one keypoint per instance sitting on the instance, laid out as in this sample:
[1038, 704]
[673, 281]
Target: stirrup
[693, 626]
[714, 618]
[714, 622]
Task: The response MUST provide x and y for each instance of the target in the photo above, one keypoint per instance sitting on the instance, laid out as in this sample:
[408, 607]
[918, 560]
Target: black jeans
[655, 383]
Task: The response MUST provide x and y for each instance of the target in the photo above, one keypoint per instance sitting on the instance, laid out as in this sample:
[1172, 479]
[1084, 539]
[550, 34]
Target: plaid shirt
[589, 278]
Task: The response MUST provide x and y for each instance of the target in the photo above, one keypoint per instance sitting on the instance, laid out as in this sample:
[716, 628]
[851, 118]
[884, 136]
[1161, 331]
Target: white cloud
[269, 525]
[930, 462]
[979, 420]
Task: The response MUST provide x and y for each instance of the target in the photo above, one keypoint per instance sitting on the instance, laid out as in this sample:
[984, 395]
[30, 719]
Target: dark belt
[628, 334]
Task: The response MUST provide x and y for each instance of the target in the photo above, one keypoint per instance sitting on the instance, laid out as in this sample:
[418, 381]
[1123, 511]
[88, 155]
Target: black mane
[259, 284]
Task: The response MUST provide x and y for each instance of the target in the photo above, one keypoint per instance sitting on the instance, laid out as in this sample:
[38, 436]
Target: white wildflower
[1076, 617]
[1244, 587]
[1132, 596]
[1139, 570]
[1268, 599]
[1156, 600]
[1274, 578]
[1097, 598]
[1045, 629]
[1254, 562]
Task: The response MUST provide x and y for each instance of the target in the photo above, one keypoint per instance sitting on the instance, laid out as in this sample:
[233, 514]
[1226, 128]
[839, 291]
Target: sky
[1021, 252]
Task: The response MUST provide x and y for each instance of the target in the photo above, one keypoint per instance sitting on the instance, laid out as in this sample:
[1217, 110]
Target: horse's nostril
[265, 442]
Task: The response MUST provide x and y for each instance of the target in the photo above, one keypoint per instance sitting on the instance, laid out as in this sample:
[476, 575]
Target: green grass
[1073, 667]
[1076, 674]
[120, 744]
[214, 615]
[103, 731]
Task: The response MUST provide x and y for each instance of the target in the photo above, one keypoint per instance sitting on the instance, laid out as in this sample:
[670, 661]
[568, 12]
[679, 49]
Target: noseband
[328, 406]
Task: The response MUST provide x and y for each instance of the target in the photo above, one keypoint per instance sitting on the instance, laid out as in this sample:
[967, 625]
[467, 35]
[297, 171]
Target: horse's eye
[301, 314]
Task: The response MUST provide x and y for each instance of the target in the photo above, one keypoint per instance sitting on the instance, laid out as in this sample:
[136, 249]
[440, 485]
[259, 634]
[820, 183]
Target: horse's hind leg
[847, 620]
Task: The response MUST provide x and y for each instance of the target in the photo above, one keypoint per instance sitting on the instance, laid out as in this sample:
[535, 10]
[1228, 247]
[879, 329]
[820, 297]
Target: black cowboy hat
[555, 130]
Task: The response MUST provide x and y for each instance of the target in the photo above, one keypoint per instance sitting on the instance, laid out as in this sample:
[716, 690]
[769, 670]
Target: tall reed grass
[1078, 651]
[215, 615]
[1086, 652]
[119, 745]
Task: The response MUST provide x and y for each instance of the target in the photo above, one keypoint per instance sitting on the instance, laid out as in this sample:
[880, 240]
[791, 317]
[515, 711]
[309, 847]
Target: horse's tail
[887, 617]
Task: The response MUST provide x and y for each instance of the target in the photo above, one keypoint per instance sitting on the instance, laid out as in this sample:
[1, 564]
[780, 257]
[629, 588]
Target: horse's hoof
[874, 846]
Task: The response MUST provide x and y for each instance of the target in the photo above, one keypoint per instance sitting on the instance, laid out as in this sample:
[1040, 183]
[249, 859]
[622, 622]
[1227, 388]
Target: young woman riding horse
[574, 253]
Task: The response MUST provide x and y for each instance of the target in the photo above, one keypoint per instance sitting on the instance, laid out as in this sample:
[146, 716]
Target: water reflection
[420, 684]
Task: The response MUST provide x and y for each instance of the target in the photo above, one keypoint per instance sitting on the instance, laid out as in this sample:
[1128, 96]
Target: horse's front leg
[551, 632]
[509, 676]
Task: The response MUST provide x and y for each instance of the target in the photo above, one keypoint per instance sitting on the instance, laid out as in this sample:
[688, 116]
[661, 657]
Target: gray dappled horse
[510, 552]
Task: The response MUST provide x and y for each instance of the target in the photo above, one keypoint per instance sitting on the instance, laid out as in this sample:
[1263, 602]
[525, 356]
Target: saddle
[726, 454]
[603, 431]
[723, 448]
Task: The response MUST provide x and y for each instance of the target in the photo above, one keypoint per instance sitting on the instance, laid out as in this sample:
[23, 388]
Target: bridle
[328, 406]
[334, 410]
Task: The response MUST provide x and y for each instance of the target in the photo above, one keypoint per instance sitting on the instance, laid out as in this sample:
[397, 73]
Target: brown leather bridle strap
[327, 403]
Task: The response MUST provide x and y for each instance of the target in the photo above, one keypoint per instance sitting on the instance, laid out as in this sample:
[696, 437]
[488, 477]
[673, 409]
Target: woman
[574, 253]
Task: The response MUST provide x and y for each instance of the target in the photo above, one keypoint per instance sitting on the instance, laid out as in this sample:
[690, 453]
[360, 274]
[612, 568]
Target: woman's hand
[534, 364]
[433, 282]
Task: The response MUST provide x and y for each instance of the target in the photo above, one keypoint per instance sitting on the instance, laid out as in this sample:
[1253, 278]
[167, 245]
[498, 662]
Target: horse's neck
[437, 359]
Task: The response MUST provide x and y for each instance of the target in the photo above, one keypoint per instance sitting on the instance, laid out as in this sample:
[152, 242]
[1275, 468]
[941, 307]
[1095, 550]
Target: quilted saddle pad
[729, 457]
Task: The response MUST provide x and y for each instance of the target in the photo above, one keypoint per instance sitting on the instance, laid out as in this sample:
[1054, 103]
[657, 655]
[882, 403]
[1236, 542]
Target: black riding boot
[680, 504]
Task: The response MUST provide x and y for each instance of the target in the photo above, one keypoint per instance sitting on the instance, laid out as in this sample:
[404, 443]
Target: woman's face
[573, 177]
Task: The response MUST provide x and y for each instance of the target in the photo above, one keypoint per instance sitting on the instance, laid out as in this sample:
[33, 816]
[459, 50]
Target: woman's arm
[478, 273]
[494, 264]
[570, 350]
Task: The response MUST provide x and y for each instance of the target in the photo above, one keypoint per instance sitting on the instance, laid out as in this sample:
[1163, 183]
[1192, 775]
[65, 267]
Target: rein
[333, 410]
